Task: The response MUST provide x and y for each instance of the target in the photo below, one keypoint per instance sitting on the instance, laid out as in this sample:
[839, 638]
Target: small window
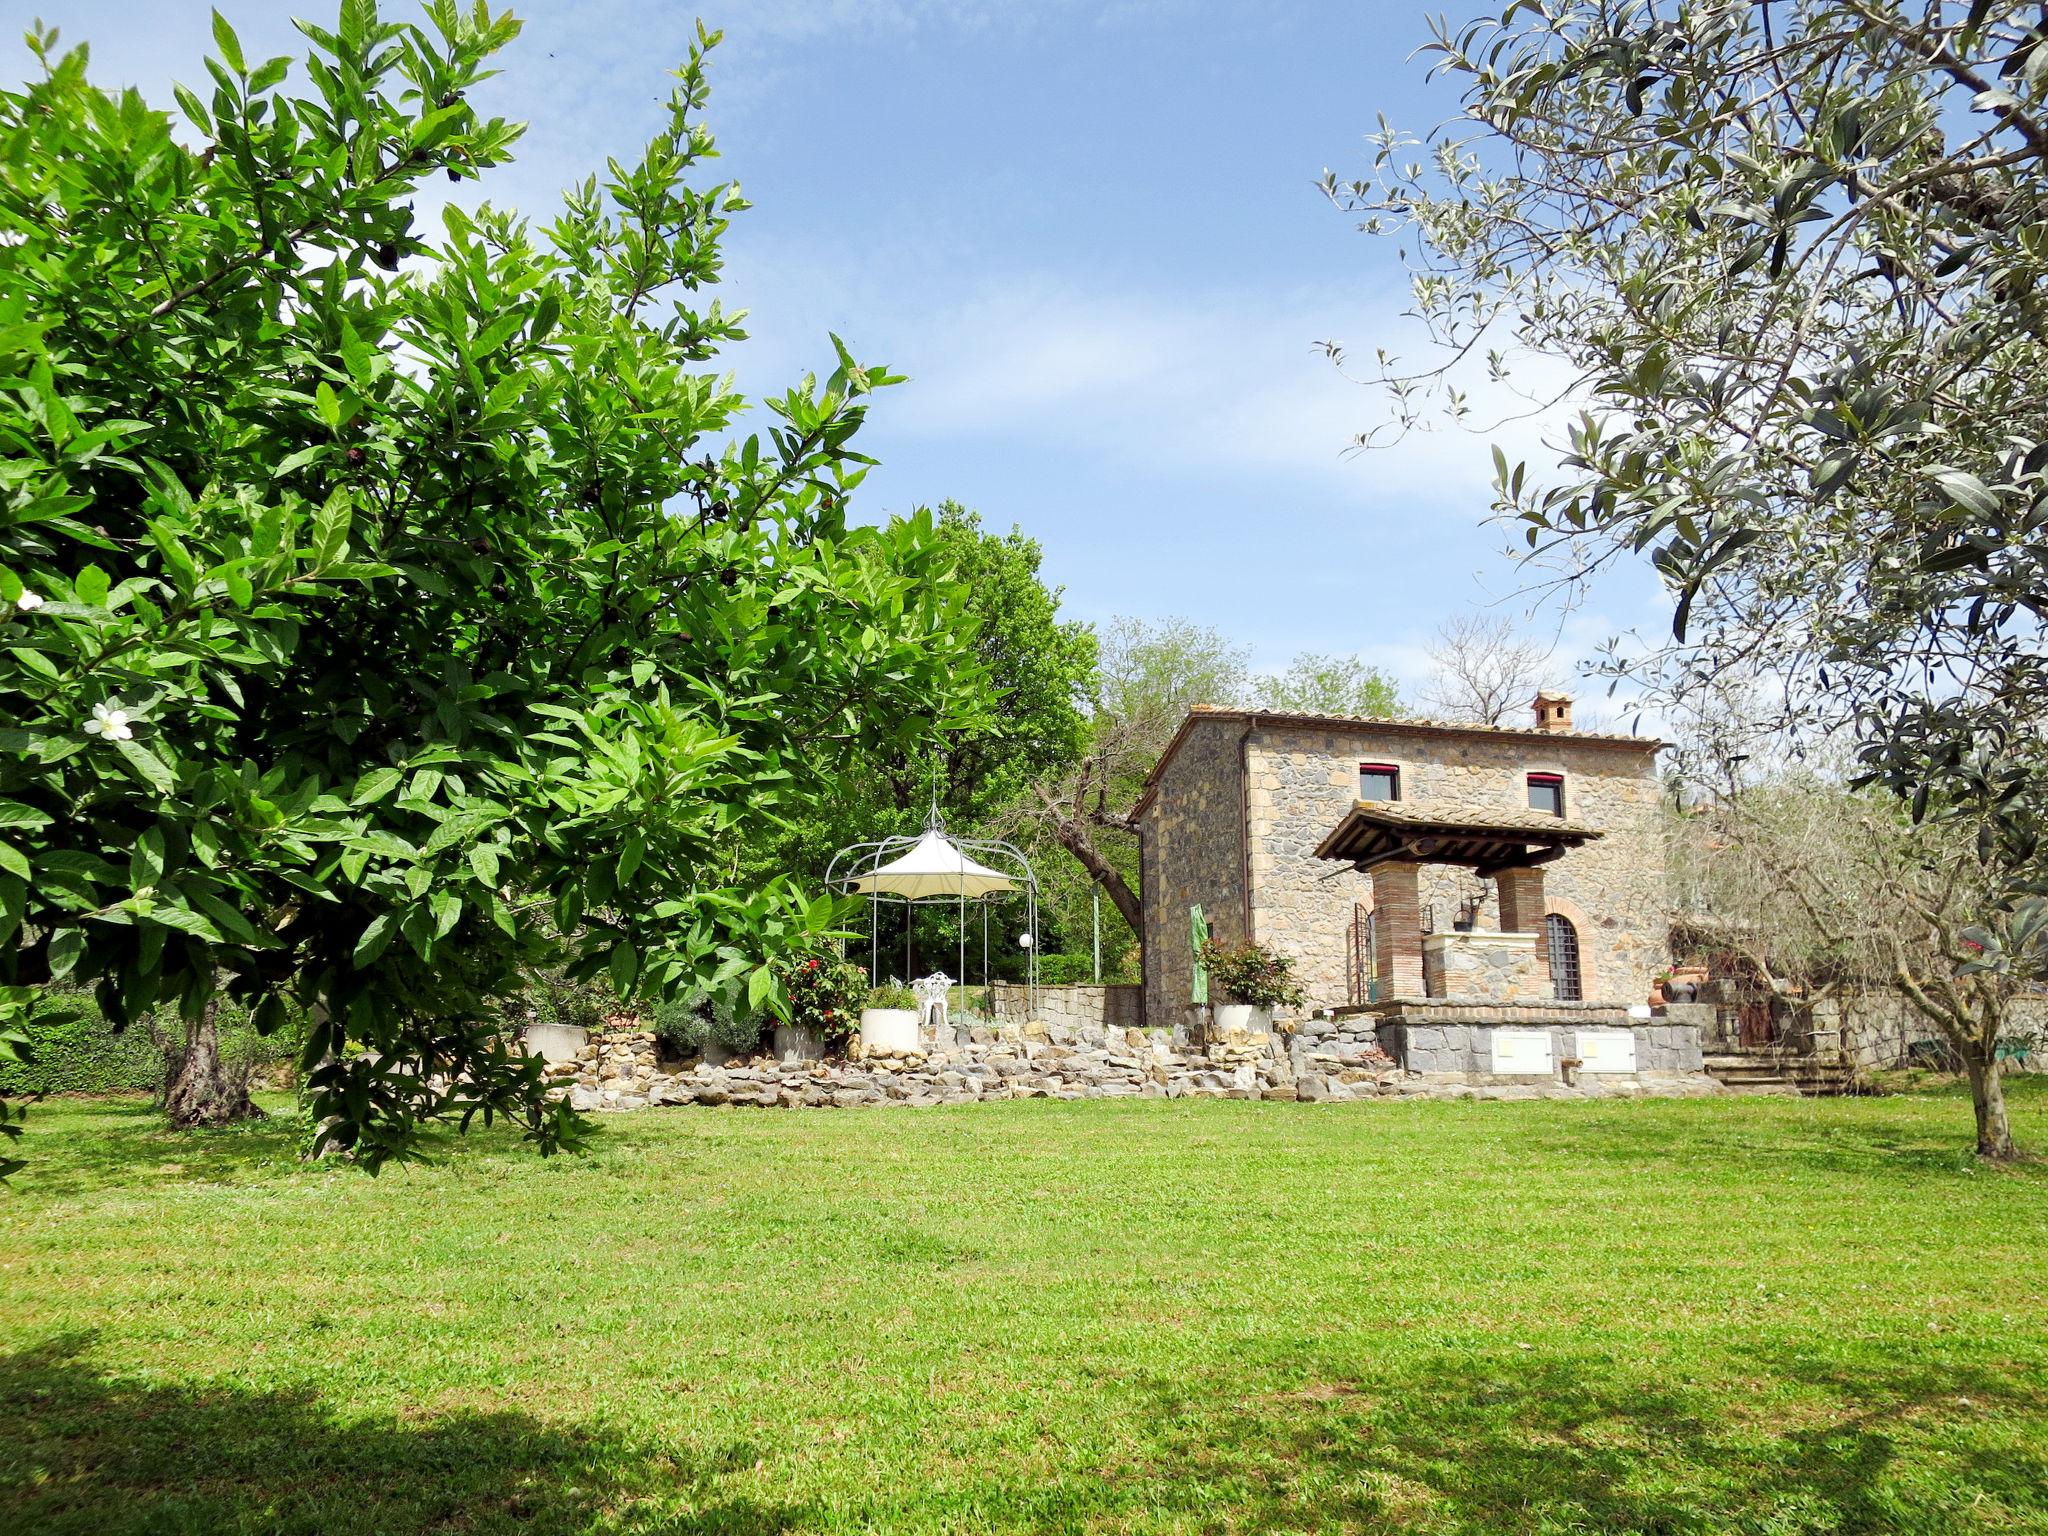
[1546, 793]
[1379, 781]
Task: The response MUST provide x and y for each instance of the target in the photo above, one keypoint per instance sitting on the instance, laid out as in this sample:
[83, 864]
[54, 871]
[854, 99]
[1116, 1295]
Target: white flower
[109, 722]
[29, 601]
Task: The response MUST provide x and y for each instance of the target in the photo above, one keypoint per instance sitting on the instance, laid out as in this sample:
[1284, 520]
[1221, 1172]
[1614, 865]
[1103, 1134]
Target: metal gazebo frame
[864, 869]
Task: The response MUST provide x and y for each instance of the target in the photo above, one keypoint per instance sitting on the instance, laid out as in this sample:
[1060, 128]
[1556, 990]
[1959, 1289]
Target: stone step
[1769, 1070]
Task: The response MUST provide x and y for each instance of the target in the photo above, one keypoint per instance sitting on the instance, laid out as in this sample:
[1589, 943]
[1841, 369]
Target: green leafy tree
[1019, 711]
[1019, 714]
[1151, 673]
[378, 629]
[1794, 254]
[1316, 684]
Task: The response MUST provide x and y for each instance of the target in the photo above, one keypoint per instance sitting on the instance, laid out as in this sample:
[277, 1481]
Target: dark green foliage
[1022, 709]
[379, 627]
[723, 1018]
[1252, 973]
[824, 994]
[76, 1050]
[1058, 970]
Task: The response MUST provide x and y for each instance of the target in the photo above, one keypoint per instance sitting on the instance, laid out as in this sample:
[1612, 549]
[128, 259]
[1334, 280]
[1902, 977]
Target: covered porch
[1392, 842]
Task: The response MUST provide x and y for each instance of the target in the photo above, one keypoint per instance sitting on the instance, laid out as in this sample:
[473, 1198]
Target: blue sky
[1090, 233]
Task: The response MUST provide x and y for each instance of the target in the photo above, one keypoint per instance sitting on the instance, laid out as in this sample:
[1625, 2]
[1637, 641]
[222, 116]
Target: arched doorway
[1566, 981]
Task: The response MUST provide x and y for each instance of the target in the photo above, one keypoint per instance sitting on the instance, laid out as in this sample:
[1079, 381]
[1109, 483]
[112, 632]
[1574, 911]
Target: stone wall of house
[1304, 778]
[1072, 1009]
[1193, 853]
[1484, 967]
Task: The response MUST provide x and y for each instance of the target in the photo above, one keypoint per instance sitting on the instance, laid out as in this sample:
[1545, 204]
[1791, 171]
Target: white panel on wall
[1607, 1050]
[1522, 1051]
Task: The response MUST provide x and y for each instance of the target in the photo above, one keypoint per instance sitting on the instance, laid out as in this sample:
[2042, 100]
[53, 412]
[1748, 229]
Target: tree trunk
[203, 1091]
[1075, 840]
[1987, 1096]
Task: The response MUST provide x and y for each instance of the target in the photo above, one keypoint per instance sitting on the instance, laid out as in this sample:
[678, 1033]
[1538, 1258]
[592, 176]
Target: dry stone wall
[1321, 1060]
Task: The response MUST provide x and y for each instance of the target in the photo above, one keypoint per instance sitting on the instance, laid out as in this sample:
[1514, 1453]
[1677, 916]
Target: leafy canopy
[1791, 258]
[389, 611]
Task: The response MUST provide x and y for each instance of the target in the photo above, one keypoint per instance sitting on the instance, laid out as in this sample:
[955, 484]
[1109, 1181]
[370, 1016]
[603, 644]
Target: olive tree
[1785, 261]
[391, 610]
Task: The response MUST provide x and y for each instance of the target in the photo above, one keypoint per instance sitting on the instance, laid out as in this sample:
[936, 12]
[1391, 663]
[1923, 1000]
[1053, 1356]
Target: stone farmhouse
[1409, 859]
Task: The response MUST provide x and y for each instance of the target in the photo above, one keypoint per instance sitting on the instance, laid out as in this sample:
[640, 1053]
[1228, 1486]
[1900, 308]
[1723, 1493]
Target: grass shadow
[86, 1454]
[74, 1145]
[1891, 1137]
[1485, 1443]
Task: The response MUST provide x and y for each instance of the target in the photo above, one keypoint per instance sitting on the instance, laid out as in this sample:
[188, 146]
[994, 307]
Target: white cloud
[1215, 380]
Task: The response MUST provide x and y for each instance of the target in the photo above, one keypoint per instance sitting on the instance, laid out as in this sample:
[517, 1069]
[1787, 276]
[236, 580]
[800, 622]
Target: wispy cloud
[1175, 380]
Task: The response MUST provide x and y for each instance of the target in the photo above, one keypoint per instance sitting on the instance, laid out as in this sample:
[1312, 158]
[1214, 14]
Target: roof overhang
[1385, 832]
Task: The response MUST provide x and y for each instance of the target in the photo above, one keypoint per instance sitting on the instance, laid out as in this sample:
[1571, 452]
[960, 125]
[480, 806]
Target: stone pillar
[1522, 910]
[1397, 929]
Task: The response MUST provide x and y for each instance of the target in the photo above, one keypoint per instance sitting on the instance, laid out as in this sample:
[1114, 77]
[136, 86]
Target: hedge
[78, 1051]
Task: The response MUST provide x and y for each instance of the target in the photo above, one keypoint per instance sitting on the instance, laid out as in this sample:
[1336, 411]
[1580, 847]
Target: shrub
[824, 993]
[1252, 974]
[892, 994]
[1065, 970]
[552, 998]
[77, 1050]
[721, 1018]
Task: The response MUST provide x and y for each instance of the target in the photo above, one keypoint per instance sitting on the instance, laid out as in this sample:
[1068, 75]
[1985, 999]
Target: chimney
[1553, 710]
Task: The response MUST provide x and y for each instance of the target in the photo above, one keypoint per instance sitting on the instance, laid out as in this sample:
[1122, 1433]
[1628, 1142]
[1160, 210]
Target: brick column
[1522, 909]
[1397, 929]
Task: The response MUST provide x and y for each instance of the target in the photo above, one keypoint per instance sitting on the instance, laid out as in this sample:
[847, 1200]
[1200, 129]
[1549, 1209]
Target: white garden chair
[932, 1012]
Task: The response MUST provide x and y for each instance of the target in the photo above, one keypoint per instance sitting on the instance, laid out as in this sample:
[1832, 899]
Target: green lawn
[1760, 1315]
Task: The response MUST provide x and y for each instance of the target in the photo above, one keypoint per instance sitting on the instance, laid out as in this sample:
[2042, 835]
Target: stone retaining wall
[1080, 1006]
[1318, 1060]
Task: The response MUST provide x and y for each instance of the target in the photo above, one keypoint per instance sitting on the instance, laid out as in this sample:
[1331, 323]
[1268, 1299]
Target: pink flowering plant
[823, 992]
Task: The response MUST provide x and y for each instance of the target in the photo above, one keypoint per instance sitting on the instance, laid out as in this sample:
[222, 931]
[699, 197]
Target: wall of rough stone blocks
[1193, 851]
[1304, 778]
[1875, 1029]
[1662, 1050]
[1072, 1008]
[1484, 967]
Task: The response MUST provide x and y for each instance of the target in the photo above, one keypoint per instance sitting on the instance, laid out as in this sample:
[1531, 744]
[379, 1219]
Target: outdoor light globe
[1024, 939]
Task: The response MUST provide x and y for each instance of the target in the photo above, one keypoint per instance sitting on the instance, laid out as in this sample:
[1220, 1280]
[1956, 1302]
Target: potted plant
[888, 1021]
[821, 1000]
[1253, 980]
[1657, 988]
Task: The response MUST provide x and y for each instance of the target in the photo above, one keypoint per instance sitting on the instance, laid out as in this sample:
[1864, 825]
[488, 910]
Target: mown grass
[1762, 1316]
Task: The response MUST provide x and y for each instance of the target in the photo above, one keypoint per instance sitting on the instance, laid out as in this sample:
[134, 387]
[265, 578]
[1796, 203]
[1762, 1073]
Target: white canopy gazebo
[932, 868]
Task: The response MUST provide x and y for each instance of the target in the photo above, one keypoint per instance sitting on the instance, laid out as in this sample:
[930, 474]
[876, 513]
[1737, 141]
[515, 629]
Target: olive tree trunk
[1987, 1097]
[202, 1090]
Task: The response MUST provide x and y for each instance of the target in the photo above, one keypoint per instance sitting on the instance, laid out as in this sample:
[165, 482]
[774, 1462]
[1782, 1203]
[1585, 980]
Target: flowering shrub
[1251, 973]
[822, 992]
